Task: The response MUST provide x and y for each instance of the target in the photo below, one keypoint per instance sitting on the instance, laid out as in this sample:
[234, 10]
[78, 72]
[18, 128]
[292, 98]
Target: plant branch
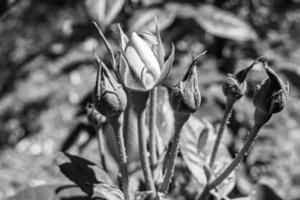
[152, 129]
[247, 145]
[143, 151]
[101, 147]
[117, 123]
[180, 119]
[228, 109]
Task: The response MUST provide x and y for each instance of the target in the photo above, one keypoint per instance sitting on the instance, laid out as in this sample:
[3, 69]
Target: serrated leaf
[143, 19]
[196, 161]
[82, 172]
[50, 192]
[223, 24]
[107, 192]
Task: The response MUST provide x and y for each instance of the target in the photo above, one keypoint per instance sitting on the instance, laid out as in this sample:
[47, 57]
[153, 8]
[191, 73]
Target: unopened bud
[185, 97]
[93, 116]
[271, 95]
[235, 85]
[109, 97]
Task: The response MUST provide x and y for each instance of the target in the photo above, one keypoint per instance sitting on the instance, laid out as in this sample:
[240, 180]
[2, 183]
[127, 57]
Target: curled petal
[145, 53]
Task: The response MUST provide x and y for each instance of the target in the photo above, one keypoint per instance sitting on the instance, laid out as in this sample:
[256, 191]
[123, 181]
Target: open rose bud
[109, 97]
[185, 97]
[271, 95]
[235, 85]
[141, 62]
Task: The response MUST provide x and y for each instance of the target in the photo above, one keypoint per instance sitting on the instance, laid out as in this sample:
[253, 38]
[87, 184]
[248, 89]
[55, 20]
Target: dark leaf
[264, 192]
[82, 172]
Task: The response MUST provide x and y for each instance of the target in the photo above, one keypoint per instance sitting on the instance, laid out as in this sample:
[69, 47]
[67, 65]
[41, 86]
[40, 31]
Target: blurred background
[47, 74]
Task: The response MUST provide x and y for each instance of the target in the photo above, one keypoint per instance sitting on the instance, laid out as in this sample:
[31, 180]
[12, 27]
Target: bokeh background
[47, 74]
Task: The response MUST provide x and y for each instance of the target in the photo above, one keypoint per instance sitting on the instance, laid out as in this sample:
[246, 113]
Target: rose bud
[271, 95]
[93, 116]
[235, 85]
[185, 97]
[141, 61]
[109, 97]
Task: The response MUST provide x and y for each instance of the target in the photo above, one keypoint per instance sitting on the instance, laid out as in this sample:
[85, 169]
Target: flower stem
[228, 109]
[205, 193]
[101, 147]
[249, 142]
[180, 119]
[143, 151]
[117, 123]
[152, 129]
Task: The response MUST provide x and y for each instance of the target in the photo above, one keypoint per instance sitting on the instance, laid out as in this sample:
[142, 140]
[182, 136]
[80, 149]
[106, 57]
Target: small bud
[185, 97]
[235, 85]
[109, 97]
[271, 96]
[93, 116]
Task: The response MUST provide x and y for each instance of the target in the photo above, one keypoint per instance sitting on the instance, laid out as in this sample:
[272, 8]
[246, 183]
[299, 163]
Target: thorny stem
[117, 123]
[249, 142]
[101, 147]
[143, 151]
[180, 119]
[153, 107]
[228, 109]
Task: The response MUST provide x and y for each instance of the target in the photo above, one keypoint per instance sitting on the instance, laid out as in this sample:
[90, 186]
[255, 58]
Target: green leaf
[196, 161]
[105, 191]
[50, 192]
[143, 19]
[143, 195]
[223, 24]
[202, 140]
[104, 11]
[216, 21]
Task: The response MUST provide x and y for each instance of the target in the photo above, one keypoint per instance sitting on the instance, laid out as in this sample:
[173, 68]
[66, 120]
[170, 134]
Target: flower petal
[134, 61]
[127, 77]
[145, 53]
[160, 48]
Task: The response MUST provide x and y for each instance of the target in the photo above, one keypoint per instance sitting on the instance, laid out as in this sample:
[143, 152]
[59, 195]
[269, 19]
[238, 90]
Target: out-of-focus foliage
[47, 71]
